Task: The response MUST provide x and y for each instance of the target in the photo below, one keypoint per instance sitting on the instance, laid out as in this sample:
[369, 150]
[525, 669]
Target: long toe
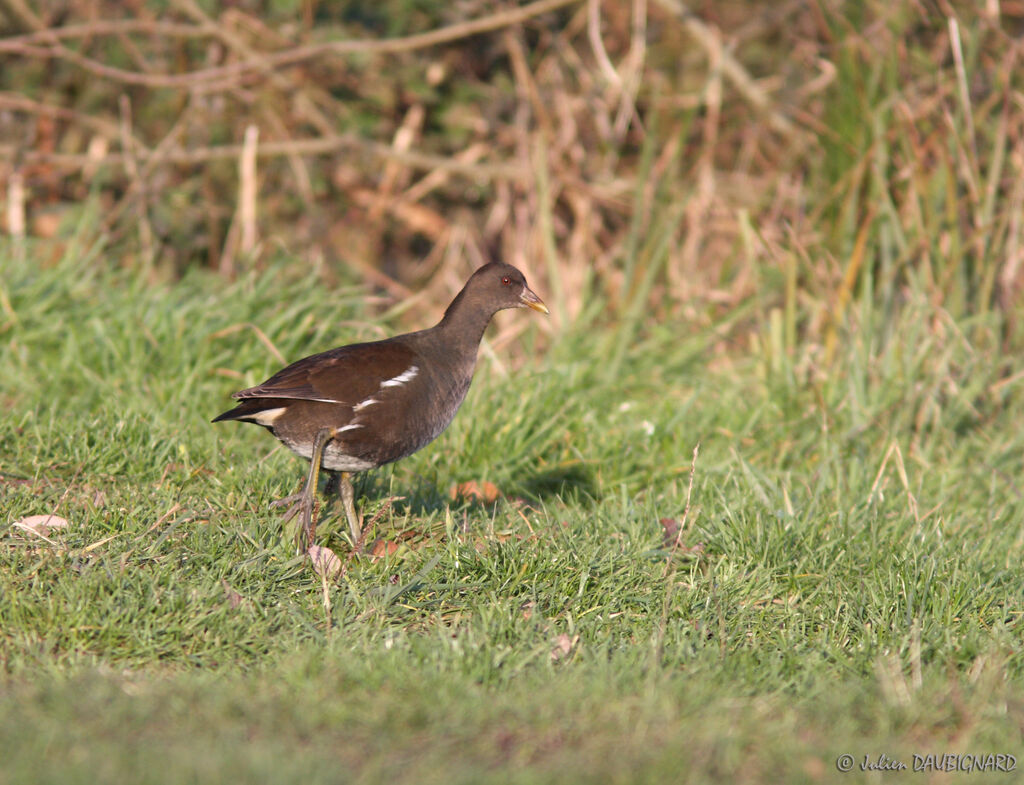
[304, 534]
[290, 499]
[295, 500]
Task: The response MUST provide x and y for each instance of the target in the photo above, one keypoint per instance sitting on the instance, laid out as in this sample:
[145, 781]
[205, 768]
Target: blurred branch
[47, 44]
[274, 149]
[302, 101]
[733, 71]
[99, 27]
[19, 11]
[23, 103]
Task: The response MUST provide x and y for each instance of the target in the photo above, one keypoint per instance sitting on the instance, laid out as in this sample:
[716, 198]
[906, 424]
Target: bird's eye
[506, 281]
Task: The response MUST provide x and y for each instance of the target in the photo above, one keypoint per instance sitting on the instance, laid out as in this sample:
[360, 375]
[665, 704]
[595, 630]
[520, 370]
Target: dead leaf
[41, 525]
[670, 539]
[326, 563]
[563, 646]
[234, 598]
[691, 550]
[670, 530]
[486, 492]
[382, 548]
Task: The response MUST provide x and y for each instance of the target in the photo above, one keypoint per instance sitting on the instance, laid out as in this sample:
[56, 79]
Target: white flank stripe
[402, 378]
[363, 404]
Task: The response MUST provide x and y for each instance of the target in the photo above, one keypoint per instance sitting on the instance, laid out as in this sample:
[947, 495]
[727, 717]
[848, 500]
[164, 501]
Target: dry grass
[665, 163]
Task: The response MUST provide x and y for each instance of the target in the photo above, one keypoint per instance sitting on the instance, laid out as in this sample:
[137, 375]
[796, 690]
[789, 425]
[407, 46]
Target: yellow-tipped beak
[530, 300]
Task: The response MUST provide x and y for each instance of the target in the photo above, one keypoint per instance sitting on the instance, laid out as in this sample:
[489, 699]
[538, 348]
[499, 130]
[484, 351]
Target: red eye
[506, 281]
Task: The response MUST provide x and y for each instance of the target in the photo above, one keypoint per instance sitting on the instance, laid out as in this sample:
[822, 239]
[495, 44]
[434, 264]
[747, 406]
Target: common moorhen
[361, 406]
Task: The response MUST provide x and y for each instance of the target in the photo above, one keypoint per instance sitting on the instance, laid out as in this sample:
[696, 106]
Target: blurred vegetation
[665, 162]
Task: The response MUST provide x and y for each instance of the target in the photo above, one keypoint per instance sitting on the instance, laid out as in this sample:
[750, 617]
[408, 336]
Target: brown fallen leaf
[381, 548]
[486, 492]
[671, 540]
[669, 531]
[326, 563]
[41, 525]
[563, 646]
[234, 598]
[691, 550]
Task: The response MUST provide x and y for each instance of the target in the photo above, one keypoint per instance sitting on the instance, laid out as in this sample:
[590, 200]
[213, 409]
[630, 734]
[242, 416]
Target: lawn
[836, 571]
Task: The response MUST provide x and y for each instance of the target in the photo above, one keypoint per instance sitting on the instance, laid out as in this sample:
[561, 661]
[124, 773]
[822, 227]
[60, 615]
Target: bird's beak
[530, 300]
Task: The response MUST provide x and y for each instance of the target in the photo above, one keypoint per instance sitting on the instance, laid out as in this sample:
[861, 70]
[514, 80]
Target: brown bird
[361, 406]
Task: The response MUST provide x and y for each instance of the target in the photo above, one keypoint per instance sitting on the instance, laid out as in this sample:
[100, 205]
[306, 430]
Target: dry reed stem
[247, 189]
[685, 522]
[552, 179]
[139, 185]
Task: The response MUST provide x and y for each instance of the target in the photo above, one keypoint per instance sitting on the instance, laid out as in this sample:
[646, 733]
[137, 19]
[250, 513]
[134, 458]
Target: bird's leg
[348, 500]
[308, 495]
[293, 499]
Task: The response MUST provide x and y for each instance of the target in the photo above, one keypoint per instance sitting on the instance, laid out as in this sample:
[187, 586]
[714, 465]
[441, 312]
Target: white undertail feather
[268, 416]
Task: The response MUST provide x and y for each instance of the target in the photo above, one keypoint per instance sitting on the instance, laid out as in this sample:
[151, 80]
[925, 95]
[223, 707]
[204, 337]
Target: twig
[174, 508]
[315, 146]
[686, 509]
[671, 566]
[241, 235]
[22, 13]
[21, 103]
[634, 70]
[151, 158]
[132, 169]
[17, 44]
[235, 71]
[395, 175]
[731, 69]
[597, 45]
[304, 104]
[247, 188]
[962, 90]
[303, 181]
[16, 212]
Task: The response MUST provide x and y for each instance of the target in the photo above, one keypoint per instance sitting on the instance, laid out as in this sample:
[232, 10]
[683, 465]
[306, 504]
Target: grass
[850, 580]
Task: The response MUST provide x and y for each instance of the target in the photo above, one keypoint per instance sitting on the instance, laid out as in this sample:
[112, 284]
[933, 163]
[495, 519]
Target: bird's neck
[463, 326]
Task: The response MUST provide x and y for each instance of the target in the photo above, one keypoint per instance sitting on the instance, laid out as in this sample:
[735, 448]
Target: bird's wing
[347, 375]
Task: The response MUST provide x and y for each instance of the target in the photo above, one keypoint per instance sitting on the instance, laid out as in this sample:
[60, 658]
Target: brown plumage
[361, 406]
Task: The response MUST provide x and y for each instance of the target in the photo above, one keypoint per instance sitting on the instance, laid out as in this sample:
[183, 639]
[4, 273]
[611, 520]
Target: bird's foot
[301, 504]
[294, 500]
